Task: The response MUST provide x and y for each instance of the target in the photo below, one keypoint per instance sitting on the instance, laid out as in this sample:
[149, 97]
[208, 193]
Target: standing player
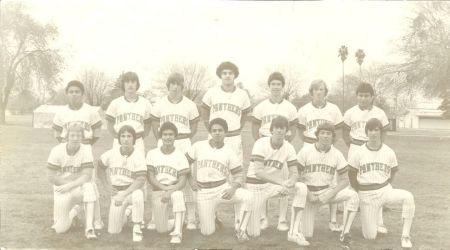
[354, 123]
[182, 112]
[167, 173]
[265, 178]
[70, 167]
[373, 168]
[127, 175]
[311, 115]
[131, 110]
[319, 164]
[263, 114]
[78, 112]
[215, 161]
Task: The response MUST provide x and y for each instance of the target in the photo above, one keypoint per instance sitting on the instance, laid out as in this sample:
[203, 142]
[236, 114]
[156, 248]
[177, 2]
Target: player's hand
[288, 183]
[63, 188]
[166, 197]
[194, 185]
[229, 193]
[284, 191]
[313, 197]
[118, 199]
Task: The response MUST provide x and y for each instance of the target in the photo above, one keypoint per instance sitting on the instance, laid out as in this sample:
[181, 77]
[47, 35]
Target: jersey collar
[273, 146]
[81, 106]
[378, 149]
[368, 109]
[213, 146]
[137, 99]
[120, 150]
[67, 150]
[320, 151]
[168, 99]
[234, 89]
[270, 100]
[319, 107]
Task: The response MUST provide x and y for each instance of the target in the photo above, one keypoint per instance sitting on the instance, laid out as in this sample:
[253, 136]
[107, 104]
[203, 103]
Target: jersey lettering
[315, 123]
[375, 166]
[71, 169]
[166, 170]
[129, 116]
[86, 126]
[268, 118]
[358, 125]
[174, 118]
[273, 164]
[122, 171]
[226, 107]
[319, 168]
[214, 165]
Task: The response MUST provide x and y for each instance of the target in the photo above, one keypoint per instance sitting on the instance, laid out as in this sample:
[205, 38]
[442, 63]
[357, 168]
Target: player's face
[168, 137]
[319, 92]
[227, 77]
[175, 88]
[276, 87]
[74, 95]
[374, 135]
[217, 133]
[325, 137]
[126, 139]
[365, 99]
[130, 86]
[279, 132]
[74, 137]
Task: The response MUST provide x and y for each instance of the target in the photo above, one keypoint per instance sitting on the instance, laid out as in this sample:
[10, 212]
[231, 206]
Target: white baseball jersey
[319, 168]
[135, 114]
[123, 169]
[66, 164]
[213, 164]
[273, 158]
[356, 119]
[86, 116]
[311, 116]
[227, 105]
[374, 166]
[167, 167]
[181, 114]
[266, 110]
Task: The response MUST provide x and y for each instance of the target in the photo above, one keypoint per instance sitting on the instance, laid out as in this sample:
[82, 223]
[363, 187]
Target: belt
[120, 188]
[309, 139]
[371, 187]
[357, 142]
[233, 133]
[252, 180]
[317, 188]
[182, 136]
[211, 184]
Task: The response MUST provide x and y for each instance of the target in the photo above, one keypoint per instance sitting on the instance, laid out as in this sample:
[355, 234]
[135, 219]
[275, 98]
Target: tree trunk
[2, 114]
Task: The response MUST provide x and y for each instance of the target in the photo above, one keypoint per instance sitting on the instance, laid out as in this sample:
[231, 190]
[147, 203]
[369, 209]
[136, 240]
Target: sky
[260, 37]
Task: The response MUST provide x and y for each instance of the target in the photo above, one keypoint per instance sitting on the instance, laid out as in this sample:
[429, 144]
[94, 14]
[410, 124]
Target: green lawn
[26, 200]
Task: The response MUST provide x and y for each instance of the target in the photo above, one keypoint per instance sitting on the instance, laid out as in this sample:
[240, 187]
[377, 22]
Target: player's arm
[293, 175]
[256, 125]
[152, 179]
[137, 184]
[155, 128]
[352, 177]
[342, 182]
[56, 180]
[104, 176]
[346, 134]
[301, 130]
[205, 111]
[147, 127]
[393, 172]
[193, 125]
[237, 174]
[110, 126]
[261, 174]
[182, 179]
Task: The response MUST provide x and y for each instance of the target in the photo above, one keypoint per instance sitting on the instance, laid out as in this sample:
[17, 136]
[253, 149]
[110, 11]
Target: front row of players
[371, 169]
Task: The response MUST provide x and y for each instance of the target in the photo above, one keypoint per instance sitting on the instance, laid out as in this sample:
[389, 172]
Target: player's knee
[301, 188]
[352, 204]
[62, 227]
[89, 192]
[137, 196]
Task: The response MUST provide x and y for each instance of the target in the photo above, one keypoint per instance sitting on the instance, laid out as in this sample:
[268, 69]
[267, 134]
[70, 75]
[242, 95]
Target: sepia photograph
[224, 124]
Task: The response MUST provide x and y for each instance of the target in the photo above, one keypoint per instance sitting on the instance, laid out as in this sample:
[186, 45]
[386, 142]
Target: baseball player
[373, 168]
[263, 114]
[319, 163]
[215, 161]
[182, 112]
[167, 173]
[265, 178]
[127, 176]
[70, 167]
[78, 112]
[131, 110]
[310, 116]
[354, 123]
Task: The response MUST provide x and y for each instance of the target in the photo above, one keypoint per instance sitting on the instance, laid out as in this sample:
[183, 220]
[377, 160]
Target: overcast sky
[143, 36]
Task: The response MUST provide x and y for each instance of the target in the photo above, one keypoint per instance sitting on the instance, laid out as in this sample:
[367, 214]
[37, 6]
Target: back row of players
[211, 171]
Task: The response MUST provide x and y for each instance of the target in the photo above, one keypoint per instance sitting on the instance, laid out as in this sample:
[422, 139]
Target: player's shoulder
[306, 107]
[332, 106]
[288, 104]
[143, 100]
[307, 148]
[188, 102]
[335, 151]
[387, 149]
[153, 152]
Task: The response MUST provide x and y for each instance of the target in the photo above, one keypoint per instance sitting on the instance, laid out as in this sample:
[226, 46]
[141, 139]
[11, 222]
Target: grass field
[26, 200]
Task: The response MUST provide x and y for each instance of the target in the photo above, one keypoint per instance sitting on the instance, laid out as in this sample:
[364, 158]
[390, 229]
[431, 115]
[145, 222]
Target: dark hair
[77, 84]
[220, 122]
[168, 126]
[176, 78]
[129, 77]
[365, 88]
[327, 126]
[129, 129]
[276, 76]
[372, 124]
[315, 84]
[227, 65]
[279, 122]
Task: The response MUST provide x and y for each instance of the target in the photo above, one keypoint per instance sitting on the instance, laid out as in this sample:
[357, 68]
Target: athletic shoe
[298, 238]
[333, 226]
[241, 236]
[282, 226]
[345, 238]
[176, 238]
[98, 225]
[406, 242]
[191, 226]
[264, 224]
[151, 225]
[382, 229]
[90, 234]
[137, 233]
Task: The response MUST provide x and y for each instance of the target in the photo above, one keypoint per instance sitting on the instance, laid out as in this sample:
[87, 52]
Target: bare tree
[96, 85]
[293, 80]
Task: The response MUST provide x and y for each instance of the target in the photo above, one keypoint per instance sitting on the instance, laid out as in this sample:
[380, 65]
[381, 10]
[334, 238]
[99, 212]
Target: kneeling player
[127, 173]
[373, 167]
[167, 173]
[70, 168]
[215, 161]
[265, 178]
[319, 163]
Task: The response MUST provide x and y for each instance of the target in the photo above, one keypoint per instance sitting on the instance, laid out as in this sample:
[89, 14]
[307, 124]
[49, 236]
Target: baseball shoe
[151, 225]
[99, 225]
[137, 233]
[282, 226]
[191, 226]
[90, 234]
[406, 242]
[382, 229]
[175, 238]
[264, 224]
[345, 238]
[334, 226]
[241, 235]
[298, 238]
